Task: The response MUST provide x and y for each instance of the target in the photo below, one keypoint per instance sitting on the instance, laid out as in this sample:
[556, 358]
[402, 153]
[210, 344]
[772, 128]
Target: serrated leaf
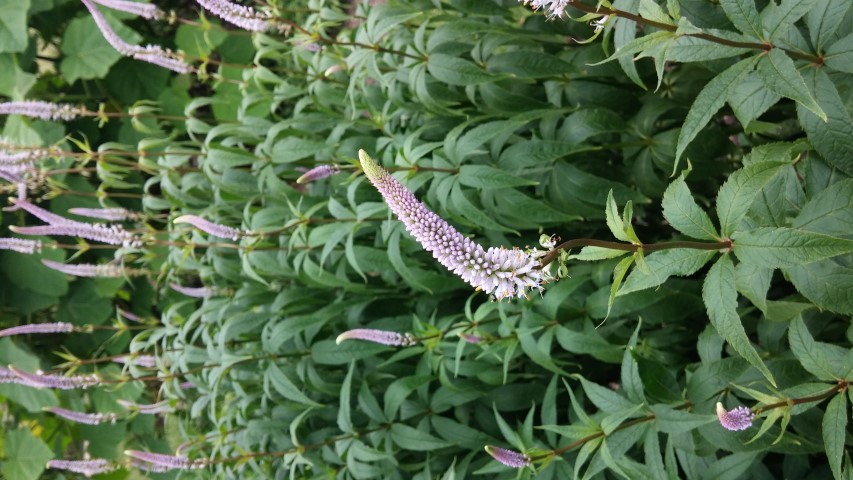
[709, 101]
[86, 55]
[744, 16]
[589, 254]
[832, 138]
[753, 282]
[484, 176]
[412, 439]
[780, 75]
[731, 466]
[751, 99]
[672, 421]
[777, 19]
[773, 247]
[13, 25]
[287, 388]
[457, 71]
[720, 297]
[684, 215]
[618, 274]
[737, 194]
[629, 374]
[605, 399]
[652, 11]
[824, 19]
[528, 64]
[829, 212]
[826, 283]
[819, 359]
[614, 220]
[839, 55]
[624, 33]
[664, 264]
[834, 431]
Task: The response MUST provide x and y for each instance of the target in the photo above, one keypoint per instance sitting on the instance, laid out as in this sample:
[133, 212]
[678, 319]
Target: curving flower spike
[244, 17]
[148, 409]
[145, 10]
[139, 360]
[383, 337]
[20, 245]
[510, 458]
[42, 110]
[209, 227]
[498, 271]
[82, 417]
[739, 418]
[195, 292]
[170, 462]
[59, 382]
[113, 214]
[106, 270]
[86, 468]
[32, 328]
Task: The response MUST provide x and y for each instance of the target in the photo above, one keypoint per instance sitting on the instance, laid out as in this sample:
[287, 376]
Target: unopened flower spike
[384, 337]
[318, 173]
[498, 271]
[510, 458]
[738, 418]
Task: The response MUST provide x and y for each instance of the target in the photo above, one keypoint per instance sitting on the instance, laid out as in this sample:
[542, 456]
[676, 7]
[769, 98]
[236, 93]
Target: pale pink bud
[384, 337]
[318, 173]
[32, 328]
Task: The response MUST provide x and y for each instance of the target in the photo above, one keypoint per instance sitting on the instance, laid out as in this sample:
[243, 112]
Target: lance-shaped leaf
[786, 247]
[720, 297]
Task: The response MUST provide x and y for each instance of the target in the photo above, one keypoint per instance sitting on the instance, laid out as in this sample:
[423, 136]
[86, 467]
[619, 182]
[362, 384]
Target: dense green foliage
[699, 151]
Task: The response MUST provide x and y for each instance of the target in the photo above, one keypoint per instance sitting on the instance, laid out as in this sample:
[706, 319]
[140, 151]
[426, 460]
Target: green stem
[631, 247]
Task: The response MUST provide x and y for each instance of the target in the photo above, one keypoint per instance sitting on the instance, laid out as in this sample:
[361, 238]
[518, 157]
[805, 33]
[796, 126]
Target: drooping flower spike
[148, 11]
[739, 418]
[87, 468]
[82, 417]
[242, 16]
[59, 382]
[20, 245]
[209, 227]
[34, 328]
[318, 173]
[498, 271]
[170, 462]
[105, 270]
[195, 292]
[42, 110]
[113, 214]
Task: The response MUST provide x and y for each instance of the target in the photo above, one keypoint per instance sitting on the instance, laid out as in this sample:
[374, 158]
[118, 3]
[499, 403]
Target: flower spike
[383, 337]
[739, 418]
[498, 271]
[510, 458]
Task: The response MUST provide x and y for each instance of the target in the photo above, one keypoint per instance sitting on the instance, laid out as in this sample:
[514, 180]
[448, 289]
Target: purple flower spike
[20, 245]
[116, 214]
[510, 458]
[81, 417]
[106, 270]
[171, 462]
[145, 10]
[209, 227]
[498, 271]
[195, 292]
[318, 173]
[384, 337]
[739, 418]
[471, 338]
[6, 376]
[57, 327]
[244, 17]
[59, 382]
[42, 110]
[143, 360]
[111, 234]
[86, 468]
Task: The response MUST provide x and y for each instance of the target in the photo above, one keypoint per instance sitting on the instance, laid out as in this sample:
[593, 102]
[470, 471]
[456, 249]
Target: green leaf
[618, 274]
[824, 361]
[13, 25]
[751, 99]
[777, 19]
[83, 305]
[14, 83]
[327, 352]
[737, 194]
[629, 374]
[483, 176]
[720, 297]
[538, 153]
[413, 439]
[826, 283]
[773, 247]
[30, 274]
[832, 138]
[624, 33]
[709, 101]
[780, 75]
[604, 398]
[457, 71]
[731, 466]
[670, 420]
[829, 212]
[824, 19]
[528, 64]
[753, 282]
[663, 264]
[400, 389]
[834, 431]
[25, 455]
[744, 16]
[614, 220]
[461, 203]
[292, 149]
[682, 212]
[839, 55]
[86, 54]
[287, 388]
[652, 11]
